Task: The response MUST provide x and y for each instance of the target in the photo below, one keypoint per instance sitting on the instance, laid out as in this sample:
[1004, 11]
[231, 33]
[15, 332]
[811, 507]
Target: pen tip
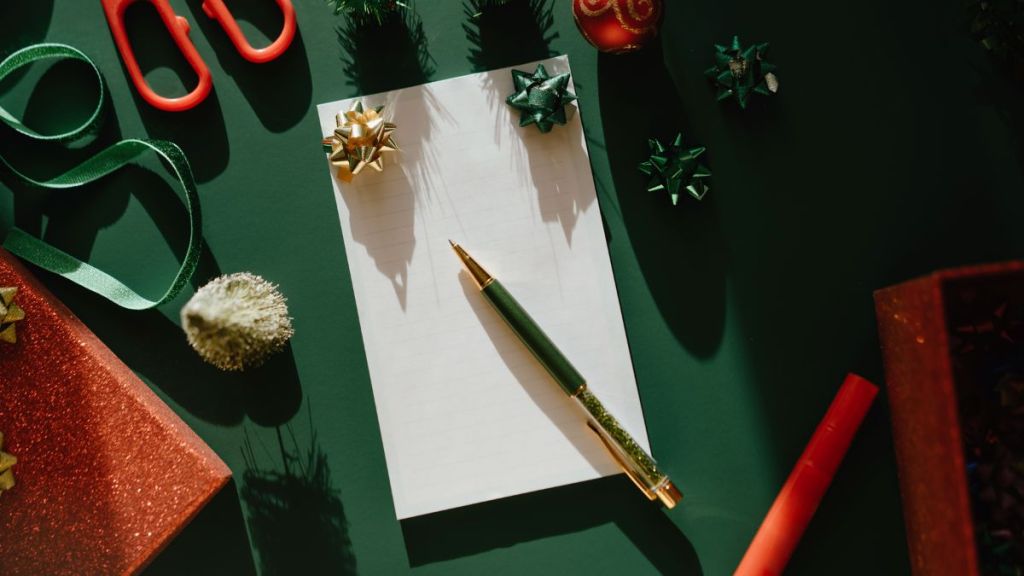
[451, 243]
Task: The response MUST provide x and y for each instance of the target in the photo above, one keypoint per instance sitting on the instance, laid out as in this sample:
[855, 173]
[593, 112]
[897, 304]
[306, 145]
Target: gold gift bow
[9, 314]
[7, 461]
[361, 138]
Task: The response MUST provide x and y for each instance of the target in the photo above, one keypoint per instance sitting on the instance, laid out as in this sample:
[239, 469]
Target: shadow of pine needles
[296, 517]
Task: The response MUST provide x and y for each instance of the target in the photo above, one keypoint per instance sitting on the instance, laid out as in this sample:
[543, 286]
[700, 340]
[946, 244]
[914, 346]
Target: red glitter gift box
[106, 473]
[933, 331]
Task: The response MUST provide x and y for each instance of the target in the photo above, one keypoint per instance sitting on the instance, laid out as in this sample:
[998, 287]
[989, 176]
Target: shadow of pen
[567, 509]
[564, 510]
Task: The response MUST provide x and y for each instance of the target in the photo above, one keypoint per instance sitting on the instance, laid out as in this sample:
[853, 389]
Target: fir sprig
[999, 26]
[479, 6]
[364, 10]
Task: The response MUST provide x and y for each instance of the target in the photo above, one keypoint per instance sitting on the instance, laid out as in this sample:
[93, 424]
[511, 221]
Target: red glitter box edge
[148, 400]
[913, 334]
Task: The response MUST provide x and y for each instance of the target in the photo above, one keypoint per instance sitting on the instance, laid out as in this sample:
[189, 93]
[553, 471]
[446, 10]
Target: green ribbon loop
[47, 257]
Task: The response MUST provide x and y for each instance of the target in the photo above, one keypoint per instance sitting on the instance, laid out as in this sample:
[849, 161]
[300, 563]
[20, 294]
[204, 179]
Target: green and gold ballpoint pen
[633, 459]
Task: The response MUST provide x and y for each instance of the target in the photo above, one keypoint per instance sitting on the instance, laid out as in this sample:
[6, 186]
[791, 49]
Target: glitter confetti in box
[106, 473]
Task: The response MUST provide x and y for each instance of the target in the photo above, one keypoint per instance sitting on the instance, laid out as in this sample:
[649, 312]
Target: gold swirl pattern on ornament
[640, 23]
[600, 7]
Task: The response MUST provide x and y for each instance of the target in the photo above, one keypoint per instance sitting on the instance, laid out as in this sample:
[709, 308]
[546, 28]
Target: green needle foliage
[366, 10]
[999, 26]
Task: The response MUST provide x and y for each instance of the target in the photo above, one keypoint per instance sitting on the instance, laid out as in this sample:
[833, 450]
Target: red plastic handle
[178, 28]
[218, 11]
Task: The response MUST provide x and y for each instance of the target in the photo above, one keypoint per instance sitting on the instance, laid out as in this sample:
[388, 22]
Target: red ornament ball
[618, 26]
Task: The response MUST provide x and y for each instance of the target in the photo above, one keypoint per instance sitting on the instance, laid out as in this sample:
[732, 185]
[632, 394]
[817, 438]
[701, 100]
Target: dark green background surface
[891, 150]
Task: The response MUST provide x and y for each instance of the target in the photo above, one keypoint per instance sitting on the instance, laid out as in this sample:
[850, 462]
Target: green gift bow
[740, 71]
[49, 258]
[542, 98]
[674, 168]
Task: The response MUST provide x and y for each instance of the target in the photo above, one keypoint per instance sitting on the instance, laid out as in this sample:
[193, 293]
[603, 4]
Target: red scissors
[179, 28]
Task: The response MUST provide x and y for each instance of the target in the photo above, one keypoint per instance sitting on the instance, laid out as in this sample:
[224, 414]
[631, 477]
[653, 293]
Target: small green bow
[541, 98]
[740, 71]
[675, 168]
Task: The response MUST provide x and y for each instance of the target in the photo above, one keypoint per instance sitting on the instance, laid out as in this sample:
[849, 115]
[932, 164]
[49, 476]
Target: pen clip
[622, 462]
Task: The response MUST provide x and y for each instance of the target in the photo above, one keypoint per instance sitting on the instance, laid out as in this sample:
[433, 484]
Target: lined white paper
[466, 414]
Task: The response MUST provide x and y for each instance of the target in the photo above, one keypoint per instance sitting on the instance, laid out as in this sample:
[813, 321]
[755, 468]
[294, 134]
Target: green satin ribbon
[49, 258]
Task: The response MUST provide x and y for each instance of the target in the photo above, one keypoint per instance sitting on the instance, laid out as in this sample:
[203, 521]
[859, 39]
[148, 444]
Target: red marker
[782, 528]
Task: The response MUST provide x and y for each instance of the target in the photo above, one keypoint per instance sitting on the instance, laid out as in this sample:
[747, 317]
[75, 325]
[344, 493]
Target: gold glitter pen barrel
[631, 457]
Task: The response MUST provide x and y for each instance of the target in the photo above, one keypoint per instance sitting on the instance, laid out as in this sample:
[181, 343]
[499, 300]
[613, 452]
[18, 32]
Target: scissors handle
[179, 29]
[218, 11]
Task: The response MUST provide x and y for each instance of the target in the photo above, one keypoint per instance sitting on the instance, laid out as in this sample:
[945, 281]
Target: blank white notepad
[466, 414]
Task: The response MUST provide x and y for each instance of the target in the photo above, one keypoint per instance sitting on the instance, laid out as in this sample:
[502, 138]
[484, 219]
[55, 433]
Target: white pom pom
[237, 321]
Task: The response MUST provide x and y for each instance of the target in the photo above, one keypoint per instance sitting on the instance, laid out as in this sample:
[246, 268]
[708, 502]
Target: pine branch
[365, 10]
